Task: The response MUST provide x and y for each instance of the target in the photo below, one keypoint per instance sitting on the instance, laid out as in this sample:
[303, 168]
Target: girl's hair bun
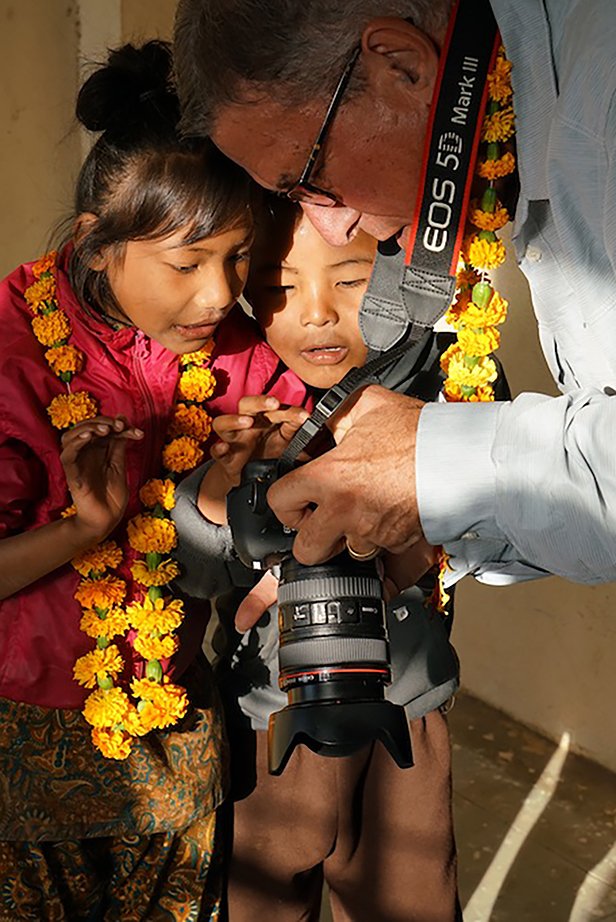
[132, 90]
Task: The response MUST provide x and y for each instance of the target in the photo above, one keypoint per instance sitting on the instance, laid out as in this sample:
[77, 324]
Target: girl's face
[177, 293]
[306, 295]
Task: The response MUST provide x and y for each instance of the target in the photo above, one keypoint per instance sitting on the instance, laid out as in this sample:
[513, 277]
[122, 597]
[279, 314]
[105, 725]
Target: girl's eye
[186, 269]
[279, 289]
[353, 283]
[240, 257]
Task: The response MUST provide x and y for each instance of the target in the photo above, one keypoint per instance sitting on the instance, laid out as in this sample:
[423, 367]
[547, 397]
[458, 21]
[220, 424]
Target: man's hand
[364, 489]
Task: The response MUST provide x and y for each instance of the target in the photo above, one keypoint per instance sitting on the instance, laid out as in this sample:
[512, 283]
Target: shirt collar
[525, 29]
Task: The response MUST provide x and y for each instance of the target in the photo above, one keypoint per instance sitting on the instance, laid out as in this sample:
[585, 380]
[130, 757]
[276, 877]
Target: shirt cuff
[456, 476]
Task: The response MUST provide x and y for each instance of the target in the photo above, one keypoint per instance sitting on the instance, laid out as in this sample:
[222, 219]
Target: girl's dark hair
[141, 179]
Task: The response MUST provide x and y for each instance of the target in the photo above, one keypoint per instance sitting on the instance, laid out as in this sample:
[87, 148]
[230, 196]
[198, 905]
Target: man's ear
[84, 225]
[395, 50]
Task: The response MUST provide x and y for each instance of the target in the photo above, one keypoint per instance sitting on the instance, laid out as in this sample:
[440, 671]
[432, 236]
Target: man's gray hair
[291, 50]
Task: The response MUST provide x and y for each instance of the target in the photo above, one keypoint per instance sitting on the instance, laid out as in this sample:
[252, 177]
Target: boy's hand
[93, 458]
[260, 429]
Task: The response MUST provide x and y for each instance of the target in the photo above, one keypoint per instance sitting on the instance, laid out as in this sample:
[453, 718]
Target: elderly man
[527, 486]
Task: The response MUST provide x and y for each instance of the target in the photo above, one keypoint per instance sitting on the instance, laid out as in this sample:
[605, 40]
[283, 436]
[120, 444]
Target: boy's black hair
[142, 179]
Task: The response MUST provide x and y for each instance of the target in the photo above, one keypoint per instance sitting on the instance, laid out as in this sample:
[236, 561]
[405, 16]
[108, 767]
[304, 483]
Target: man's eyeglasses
[303, 190]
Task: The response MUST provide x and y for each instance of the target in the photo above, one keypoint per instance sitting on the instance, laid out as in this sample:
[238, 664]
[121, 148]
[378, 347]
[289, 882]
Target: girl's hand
[93, 458]
[260, 429]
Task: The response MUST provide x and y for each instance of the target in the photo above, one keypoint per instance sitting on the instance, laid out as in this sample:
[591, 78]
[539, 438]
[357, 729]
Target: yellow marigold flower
[39, 294]
[44, 264]
[486, 254]
[165, 704]
[132, 723]
[107, 662]
[115, 623]
[182, 454]
[106, 707]
[51, 328]
[105, 556]
[190, 420]
[112, 744]
[492, 315]
[482, 372]
[68, 409]
[499, 80]
[452, 391]
[158, 616]
[197, 358]
[166, 571]
[448, 355]
[474, 342]
[496, 169]
[100, 593]
[150, 535]
[196, 383]
[155, 647]
[486, 220]
[69, 511]
[158, 493]
[64, 359]
[498, 127]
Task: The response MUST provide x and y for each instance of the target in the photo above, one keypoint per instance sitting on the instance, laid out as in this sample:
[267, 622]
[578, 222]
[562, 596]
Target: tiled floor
[535, 825]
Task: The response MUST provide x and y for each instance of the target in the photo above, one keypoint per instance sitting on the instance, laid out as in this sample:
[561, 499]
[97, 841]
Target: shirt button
[470, 536]
[533, 254]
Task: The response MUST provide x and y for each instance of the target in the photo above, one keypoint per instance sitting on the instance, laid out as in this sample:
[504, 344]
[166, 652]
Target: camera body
[334, 651]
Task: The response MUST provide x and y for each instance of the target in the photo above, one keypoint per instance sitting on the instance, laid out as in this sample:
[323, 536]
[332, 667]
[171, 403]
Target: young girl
[116, 351]
[380, 836]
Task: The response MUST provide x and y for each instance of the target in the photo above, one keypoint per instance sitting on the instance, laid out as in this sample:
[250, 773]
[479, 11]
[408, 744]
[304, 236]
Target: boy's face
[306, 295]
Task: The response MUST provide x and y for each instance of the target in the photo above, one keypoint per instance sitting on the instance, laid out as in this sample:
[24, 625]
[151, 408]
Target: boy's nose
[337, 224]
[317, 307]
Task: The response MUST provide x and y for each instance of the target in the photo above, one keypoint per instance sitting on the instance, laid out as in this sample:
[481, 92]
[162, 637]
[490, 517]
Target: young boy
[380, 836]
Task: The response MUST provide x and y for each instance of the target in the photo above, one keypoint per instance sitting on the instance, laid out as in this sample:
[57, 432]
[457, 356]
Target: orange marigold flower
[112, 744]
[164, 573]
[52, 328]
[64, 359]
[158, 493]
[457, 310]
[496, 169]
[486, 220]
[155, 647]
[44, 264]
[466, 277]
[150, 535]
[103, 663]
[486, 254]
[106, 707]
[40, 295]
[67, 409]
[453, 351]
[182, 454]
[499, 80]
[190, 420]
[474, 342]
[105, 556]
[453, 393]
[196, 383]
[199, 357]
[165, 704]
[156, 616]
[100, 593]
[69, 511]
[498, 127]
[115, 623]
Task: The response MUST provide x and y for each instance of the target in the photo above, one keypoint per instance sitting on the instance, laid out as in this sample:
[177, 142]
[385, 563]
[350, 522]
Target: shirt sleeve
[23, 484]
[531, 482]
[205, 551]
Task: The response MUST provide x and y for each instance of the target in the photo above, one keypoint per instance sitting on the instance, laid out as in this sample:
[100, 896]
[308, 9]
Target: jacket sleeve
[205, 551]
[533, 484]
[23, 484]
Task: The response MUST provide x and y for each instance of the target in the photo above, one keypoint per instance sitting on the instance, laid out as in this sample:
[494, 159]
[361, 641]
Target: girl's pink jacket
[128, 374]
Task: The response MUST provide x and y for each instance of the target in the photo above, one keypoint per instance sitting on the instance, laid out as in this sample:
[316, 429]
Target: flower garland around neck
[121, 709]
[478, 309]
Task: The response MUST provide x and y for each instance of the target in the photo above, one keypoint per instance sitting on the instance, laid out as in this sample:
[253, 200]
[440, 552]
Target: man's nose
[337, 224]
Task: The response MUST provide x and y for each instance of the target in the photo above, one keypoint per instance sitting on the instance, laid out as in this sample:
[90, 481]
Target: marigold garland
[117, 714]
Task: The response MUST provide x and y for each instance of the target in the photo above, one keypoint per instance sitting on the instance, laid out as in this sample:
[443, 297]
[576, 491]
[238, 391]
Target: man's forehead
[268, 138]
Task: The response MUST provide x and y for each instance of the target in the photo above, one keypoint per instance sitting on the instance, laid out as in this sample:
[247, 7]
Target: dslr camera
[334, 651]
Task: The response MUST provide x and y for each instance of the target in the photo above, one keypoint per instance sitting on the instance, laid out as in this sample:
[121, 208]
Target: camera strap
[409, 291]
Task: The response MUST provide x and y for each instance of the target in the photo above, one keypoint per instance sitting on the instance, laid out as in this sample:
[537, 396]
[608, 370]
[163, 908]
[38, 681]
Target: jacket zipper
[140, 354]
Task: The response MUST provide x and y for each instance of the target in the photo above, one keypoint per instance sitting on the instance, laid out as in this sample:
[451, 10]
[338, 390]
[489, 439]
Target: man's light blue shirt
[520, 488]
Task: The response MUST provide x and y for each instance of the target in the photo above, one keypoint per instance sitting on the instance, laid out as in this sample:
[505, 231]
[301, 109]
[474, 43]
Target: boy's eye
[279, 289]
[241, 256]
[353, 283]
[185, 269]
